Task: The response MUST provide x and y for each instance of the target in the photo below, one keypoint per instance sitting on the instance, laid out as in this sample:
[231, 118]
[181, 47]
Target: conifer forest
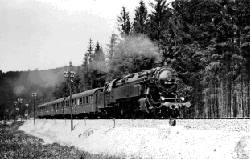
[207, 42]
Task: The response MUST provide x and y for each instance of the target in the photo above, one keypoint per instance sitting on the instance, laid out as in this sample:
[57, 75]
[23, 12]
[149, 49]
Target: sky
[44, 34]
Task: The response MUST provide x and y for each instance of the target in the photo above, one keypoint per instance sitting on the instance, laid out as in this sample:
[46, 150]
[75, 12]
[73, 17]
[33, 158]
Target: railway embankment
[228, 138]
[15, 144]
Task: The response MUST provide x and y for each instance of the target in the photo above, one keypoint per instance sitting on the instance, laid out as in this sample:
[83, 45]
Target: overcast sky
[43, 34]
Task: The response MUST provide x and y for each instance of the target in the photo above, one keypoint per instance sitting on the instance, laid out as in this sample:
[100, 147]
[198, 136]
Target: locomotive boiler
[146, 94]
[150, 94]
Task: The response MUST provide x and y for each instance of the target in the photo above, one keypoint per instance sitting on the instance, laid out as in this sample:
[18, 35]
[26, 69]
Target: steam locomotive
[146, 94]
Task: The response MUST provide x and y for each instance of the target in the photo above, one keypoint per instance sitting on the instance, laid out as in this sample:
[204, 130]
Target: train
[146, 94]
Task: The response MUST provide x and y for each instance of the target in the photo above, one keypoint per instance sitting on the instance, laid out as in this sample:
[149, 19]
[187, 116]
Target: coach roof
[85, 93]
[52, 102]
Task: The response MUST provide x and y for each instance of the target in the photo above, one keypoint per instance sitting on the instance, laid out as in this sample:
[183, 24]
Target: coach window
[91, 99]
[77, 101]
[87, 99]
[80, 100]
[83, 100]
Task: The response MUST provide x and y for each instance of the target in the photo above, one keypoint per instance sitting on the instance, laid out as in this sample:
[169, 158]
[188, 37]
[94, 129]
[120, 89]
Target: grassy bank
[15, 144]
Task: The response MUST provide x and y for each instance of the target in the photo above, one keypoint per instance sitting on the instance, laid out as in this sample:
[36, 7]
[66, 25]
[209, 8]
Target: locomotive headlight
[165, 75]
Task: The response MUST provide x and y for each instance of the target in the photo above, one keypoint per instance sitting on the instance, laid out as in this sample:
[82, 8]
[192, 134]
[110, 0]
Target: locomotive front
[164, 91]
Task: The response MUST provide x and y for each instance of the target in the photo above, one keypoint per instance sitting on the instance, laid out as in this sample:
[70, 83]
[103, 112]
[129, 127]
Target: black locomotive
[146, 94]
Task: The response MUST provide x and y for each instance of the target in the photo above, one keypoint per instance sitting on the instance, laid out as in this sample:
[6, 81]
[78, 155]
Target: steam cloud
[137, 45]
[133, 48]
[32, 80]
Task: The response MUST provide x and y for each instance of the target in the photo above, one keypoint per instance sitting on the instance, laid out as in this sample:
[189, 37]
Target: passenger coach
[86, 104]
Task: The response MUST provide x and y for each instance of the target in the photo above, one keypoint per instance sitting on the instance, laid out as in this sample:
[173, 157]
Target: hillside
[14, 84]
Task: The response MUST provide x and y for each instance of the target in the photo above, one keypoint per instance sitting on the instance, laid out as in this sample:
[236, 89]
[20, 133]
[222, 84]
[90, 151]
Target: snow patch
[146, 138]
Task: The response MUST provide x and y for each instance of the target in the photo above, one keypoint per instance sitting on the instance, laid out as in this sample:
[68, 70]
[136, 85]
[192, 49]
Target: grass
[15, 144]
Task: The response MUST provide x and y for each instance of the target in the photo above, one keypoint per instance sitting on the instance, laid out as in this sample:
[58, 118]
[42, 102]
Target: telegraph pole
[69, 76]
[34, 106]
[26, 111]
[20, 101]
[15, 103]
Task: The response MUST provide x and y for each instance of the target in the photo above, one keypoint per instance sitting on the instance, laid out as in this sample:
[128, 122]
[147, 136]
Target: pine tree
[85, 70]
[98, 67]
[244, 44]
[124, 25]
[98, 54]
[188, 41]
[77, 81]
[90, 51]
[158, 19]
[141, 19]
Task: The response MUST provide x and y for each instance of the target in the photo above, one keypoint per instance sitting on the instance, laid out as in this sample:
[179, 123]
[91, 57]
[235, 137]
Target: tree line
[207, 42]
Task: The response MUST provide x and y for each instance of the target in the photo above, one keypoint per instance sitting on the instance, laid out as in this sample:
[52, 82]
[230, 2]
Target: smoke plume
[132, 54]
[36, 80]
